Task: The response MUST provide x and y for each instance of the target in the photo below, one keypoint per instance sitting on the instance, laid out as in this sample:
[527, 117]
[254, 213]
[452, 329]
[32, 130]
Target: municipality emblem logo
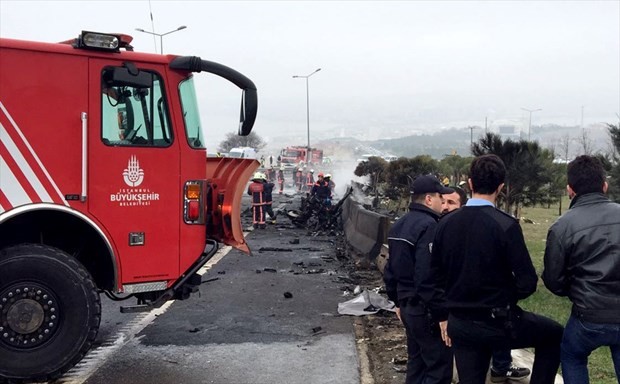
[133, 174]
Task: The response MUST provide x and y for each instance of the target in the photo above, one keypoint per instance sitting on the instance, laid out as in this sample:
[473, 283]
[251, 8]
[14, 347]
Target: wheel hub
[28, 315]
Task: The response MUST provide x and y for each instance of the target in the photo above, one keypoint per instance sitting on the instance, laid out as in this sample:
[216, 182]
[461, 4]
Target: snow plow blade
[227, 179]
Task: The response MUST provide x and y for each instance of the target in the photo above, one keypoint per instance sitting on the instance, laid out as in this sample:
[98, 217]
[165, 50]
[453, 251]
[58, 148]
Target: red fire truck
[294, 155]
[105, 187]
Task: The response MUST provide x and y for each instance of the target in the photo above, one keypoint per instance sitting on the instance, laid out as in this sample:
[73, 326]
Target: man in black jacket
[582, 261]
[429, 360]
[481, 268]
[501, 362]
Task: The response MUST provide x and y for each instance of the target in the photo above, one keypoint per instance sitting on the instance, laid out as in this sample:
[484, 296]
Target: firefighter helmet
[312, 171]
[258, 176]
[320, 174]
[328, 176]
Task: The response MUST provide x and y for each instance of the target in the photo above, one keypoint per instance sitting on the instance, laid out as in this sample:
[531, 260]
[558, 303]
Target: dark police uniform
[429, 360]
[481, 263]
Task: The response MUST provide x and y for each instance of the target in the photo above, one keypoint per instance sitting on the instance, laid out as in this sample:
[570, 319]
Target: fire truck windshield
[191, 117]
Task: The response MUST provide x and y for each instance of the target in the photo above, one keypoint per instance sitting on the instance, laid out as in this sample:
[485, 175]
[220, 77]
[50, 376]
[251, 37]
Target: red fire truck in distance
[105, 187]
[292, 156]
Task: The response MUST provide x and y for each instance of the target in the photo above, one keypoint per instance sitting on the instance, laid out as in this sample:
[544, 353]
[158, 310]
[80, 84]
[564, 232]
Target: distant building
[507, 131]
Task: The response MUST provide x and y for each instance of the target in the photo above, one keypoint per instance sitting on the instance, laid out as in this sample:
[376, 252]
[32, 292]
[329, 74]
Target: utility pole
[529, 130]
[161, 35]
[471, 134]
[307, 109]
[582, 116]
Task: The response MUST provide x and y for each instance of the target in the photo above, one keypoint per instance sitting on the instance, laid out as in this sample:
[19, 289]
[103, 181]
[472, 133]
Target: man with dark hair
[501, 362]
[582, 262]
[453, 201]
[429, 360]
[481, 268]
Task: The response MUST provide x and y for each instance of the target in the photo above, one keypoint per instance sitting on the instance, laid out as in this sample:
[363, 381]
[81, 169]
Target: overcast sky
[387, 66]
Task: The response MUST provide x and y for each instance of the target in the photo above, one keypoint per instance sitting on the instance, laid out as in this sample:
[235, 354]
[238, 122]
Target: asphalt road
[240, 328]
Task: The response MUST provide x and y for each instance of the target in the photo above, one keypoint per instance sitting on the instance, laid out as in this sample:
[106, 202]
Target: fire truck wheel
[49, 312]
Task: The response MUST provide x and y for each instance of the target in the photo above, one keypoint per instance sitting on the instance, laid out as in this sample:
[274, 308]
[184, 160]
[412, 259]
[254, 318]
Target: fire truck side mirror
[249, 108]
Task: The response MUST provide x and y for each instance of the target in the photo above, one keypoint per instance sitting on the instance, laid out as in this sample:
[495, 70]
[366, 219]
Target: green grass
[544, 302]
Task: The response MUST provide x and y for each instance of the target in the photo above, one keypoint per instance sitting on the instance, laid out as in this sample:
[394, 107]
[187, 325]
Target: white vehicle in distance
[365, 157]
[389, 158]
[243, 153]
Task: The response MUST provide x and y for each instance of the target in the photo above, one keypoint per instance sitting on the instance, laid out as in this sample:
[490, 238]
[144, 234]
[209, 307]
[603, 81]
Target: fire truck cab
[105, 187]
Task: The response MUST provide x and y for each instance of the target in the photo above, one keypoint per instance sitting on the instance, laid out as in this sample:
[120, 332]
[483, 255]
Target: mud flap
[227, 180]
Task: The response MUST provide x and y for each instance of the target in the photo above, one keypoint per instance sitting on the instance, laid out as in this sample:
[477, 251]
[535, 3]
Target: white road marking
[98, 356]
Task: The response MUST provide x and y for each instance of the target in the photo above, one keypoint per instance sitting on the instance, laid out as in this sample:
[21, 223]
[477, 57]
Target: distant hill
[458, 140]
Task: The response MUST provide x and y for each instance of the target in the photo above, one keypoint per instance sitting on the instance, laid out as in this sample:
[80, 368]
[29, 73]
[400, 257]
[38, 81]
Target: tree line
[533, 177]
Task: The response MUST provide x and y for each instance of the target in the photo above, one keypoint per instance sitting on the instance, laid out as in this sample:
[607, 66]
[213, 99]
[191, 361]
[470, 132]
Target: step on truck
[105, 187]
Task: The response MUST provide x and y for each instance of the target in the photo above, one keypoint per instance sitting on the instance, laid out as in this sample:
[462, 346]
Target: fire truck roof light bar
[103, 41]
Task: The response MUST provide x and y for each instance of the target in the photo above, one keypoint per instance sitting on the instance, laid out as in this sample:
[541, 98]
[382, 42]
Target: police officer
[429, 359]
[481, 268]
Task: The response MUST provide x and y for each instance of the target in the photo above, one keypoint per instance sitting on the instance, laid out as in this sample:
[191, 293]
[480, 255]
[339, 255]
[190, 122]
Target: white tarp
[366, 303]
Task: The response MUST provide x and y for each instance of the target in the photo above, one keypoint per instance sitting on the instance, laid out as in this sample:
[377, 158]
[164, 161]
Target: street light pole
[307, 108]
[529, 130]
[161, 35]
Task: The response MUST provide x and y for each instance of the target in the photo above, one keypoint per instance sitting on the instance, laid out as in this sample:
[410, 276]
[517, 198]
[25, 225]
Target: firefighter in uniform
[309, 180]
[256, 190]
[268, 198]
[281, 180]
[321, 190]
[330, 183]
[299, 179]
[269, 173]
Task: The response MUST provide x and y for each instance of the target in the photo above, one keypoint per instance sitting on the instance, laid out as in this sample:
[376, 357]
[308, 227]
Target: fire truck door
[133, 169]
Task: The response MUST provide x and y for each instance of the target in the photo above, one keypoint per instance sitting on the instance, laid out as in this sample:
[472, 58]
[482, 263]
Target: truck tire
[49, 313]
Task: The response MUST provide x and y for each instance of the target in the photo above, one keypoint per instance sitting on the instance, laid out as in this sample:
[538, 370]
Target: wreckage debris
[288, 295]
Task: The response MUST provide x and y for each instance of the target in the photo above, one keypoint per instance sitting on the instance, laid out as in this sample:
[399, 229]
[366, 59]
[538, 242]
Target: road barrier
[365, 231]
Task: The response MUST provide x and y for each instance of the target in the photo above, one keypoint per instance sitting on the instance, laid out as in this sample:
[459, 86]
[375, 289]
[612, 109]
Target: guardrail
[365, 231]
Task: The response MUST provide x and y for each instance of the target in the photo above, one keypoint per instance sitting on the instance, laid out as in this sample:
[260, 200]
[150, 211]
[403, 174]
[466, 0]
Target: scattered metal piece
[316, 329]
[194, 330]
[294, 241]
[270, 270]
[221, 272]
[288, 295]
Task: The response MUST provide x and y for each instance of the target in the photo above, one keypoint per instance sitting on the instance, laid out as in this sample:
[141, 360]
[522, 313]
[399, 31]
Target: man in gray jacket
[582, 262]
